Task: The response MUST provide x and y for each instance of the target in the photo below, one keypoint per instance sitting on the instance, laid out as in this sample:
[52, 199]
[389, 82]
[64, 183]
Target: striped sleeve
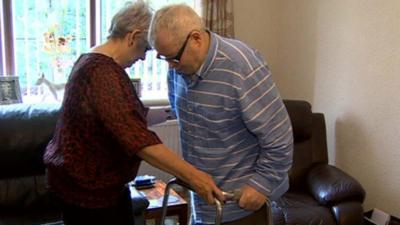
[266, 117]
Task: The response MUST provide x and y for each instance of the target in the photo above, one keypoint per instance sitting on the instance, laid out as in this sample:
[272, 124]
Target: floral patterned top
[101, 127]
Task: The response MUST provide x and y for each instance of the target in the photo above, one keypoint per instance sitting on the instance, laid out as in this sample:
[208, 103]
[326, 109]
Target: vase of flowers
[56, 45]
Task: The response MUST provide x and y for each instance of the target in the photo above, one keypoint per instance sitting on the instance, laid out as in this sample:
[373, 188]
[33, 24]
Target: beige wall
[344, 57]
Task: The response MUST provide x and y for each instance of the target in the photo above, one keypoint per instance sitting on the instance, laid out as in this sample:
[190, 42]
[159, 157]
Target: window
[45, 37]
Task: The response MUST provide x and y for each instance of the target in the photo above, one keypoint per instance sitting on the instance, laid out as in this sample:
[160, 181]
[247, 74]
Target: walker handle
[230, 196]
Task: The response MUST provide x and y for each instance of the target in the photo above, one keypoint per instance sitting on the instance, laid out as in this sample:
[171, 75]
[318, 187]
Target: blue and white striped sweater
[233, 124]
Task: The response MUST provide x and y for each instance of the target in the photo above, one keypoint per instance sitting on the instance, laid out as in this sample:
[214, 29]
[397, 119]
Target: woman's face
[137, 48]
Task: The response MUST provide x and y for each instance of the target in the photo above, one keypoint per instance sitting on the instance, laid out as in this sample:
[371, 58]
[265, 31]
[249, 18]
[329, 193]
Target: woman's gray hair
[177, 20]
[132, 16]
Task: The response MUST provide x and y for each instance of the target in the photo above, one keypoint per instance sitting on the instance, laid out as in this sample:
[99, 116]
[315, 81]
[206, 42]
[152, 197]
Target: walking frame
[229, 196]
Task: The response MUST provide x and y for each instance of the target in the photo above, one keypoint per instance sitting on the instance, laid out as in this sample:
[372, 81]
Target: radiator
[169, 135]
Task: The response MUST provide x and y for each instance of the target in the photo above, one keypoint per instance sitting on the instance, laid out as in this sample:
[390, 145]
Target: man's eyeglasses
[178, 56]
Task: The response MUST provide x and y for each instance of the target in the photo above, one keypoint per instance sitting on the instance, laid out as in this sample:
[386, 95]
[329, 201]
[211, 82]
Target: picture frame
[10, 92]
[137, 85]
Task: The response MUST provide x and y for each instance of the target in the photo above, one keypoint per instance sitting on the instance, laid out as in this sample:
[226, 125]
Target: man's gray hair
[132, 16]
[177, 20]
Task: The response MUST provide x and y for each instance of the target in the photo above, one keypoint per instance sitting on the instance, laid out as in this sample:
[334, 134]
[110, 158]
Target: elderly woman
[101, 135]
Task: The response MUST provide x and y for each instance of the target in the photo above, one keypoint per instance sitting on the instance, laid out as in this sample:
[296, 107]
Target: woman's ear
[133, 36]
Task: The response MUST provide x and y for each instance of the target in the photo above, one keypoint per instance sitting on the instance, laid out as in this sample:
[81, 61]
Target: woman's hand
[205, 187]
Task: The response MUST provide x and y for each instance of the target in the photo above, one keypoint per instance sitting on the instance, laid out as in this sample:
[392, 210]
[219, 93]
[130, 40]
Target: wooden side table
[176, 204]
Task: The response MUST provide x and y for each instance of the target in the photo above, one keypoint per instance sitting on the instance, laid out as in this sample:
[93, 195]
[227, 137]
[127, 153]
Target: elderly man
[233, 123]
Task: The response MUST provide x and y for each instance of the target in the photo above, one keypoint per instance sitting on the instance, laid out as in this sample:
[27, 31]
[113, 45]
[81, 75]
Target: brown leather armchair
[319, 193]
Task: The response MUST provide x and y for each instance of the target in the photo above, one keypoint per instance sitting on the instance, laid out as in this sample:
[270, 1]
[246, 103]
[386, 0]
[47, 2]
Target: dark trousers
[118, 214]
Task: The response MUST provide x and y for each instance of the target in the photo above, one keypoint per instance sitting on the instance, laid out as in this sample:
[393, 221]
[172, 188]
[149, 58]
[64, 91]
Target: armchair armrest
[330, 185]
[139, 204]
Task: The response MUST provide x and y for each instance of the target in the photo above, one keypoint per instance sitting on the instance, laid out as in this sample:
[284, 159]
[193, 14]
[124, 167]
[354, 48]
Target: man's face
[178, 54]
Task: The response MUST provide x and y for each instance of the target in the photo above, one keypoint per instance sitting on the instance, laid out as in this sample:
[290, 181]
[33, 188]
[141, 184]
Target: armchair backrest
[25, 131]
[310, 146]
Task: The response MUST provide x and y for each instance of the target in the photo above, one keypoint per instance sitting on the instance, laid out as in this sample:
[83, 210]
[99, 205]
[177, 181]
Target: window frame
[7, 55]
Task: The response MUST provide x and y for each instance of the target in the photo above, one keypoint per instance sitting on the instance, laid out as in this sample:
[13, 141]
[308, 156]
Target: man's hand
[204, 186]
[251, 199]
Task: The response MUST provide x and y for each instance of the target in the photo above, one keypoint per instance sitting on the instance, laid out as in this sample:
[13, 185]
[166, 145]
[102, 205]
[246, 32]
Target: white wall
[343, 56]
[249, 18]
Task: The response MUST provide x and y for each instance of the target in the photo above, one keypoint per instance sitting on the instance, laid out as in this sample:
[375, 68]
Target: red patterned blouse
[100, 129]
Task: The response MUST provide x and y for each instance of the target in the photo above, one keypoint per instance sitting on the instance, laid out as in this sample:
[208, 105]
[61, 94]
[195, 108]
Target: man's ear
[197, 37]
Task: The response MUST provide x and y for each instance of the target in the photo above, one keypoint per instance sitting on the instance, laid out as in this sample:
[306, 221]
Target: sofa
[25, 131]
[319, 193]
